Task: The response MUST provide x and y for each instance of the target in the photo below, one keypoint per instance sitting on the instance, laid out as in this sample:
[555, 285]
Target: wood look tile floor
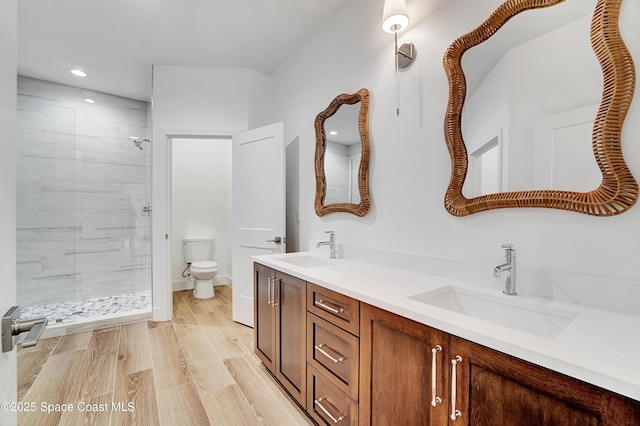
[197, 369]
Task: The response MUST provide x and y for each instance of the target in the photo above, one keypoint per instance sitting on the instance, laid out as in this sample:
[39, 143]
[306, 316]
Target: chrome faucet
[510, 267]
[331, 243]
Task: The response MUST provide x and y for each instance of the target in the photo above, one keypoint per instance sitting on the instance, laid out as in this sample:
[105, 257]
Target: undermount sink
[305, 261]
[503, 310]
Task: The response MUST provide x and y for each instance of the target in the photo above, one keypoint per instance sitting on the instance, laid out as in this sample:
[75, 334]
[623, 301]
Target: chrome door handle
[269, 285]
[12, 325]
[276, 299]
[435, 399]
[454, 362]
[276, 240]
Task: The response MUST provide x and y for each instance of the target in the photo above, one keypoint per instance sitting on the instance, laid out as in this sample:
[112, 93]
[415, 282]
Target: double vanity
[360, 343]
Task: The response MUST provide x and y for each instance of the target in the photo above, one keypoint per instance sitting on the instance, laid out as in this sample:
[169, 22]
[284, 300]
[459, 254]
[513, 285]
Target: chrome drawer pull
[324, 305]
[328, 355]
[454, 362]
[269, 286]
[435, 400]
[318, 402]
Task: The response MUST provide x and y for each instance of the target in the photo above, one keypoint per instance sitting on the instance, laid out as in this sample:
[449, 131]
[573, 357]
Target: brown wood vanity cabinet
[412, 374]
[280, 328]
[396, 370]
[350, 363]
[333, 356]
[493, 388]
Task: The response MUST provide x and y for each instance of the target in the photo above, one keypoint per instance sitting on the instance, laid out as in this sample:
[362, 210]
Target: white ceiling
[117, 41]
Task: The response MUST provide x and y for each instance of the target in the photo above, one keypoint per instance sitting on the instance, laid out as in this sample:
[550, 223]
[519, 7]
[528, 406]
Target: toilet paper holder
[12, 326]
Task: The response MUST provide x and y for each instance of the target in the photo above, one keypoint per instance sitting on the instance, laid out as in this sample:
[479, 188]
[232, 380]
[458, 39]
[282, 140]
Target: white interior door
[563, 143]
[258, 185]
[8, 124]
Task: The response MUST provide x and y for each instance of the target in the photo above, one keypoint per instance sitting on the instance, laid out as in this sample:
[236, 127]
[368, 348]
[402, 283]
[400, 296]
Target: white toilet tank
[197, 249]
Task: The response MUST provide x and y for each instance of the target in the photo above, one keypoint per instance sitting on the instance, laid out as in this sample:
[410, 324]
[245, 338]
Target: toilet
[198, 254]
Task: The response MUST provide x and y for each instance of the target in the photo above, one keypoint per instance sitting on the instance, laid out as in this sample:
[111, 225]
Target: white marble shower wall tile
[95, 170]
[81, 186]
[102, 284]
[136, 251]
[48, 289]
[336, 169]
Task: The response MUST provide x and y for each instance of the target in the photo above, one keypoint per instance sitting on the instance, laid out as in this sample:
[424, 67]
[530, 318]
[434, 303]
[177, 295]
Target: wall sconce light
[395, 18]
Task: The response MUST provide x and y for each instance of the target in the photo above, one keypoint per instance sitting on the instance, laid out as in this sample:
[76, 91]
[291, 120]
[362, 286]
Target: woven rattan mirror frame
[618, 191]
[361, 209]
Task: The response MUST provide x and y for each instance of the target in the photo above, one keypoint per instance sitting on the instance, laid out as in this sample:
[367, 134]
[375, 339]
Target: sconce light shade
[395, 17]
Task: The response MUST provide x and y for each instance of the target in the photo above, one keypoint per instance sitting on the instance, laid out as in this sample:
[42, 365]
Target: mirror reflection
[533, 93]
[617, 191]
[342, 155]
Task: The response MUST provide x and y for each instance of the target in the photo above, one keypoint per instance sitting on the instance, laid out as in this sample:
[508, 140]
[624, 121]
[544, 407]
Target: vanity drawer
[326, 404]
[336, 308]
[335, 353]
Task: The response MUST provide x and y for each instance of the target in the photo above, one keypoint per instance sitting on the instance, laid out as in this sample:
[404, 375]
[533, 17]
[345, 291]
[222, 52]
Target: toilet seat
[204, 264]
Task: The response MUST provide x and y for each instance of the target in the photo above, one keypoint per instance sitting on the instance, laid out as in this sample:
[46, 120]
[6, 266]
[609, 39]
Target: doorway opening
[200, 204]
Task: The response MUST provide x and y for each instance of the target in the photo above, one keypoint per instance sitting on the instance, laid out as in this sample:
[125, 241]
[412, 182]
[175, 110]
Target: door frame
[162, 287]
[9, 125]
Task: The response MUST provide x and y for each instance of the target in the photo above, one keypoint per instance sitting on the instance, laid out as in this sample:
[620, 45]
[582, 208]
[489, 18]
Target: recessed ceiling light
[79, 73]
[90, 101]
[333, 133]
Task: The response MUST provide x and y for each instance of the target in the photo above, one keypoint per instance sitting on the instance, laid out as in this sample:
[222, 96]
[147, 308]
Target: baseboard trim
[189, 285]
[182, 285]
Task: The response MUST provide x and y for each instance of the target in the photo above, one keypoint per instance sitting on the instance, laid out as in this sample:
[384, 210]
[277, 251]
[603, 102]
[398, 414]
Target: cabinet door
[291, 330]
[496, 389]
[265, 316]
[395, 370]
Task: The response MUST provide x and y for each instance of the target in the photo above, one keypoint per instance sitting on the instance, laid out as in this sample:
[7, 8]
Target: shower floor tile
[77, 310]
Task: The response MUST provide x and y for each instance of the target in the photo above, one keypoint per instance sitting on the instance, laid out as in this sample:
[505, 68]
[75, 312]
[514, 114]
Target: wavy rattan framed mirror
[342, 185]
[618, 190]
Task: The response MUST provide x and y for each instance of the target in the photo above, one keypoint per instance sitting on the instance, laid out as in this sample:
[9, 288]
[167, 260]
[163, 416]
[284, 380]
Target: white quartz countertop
[598, 346]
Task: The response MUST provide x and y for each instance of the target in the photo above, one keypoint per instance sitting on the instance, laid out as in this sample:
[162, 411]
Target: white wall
[200, 193]
[292, 187]
[576, 75]
[485, 116]
[8, 124]
[410, 165]
[195, 101]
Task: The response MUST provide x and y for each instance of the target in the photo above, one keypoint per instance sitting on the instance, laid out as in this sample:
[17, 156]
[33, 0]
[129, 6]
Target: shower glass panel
[84, 191]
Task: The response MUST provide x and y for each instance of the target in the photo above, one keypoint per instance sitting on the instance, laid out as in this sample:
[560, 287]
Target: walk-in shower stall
[84, 192]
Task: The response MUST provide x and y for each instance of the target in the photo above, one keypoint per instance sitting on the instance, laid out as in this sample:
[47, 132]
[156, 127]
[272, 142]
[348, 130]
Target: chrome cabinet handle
[328, 355]
[318, 402]
[454, 362]
[324, 305]
[435, 399]
[276, 299]
[269, 284]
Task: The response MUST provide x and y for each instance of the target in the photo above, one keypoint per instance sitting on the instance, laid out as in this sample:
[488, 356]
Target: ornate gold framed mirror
[618, 190]
[342, 155]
